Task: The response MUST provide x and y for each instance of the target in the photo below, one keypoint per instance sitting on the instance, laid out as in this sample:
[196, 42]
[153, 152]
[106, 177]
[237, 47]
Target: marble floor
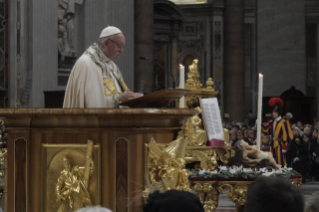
[310, 191]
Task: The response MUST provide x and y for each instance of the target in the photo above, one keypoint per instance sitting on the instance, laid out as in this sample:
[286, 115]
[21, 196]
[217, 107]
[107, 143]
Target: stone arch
[169, 8]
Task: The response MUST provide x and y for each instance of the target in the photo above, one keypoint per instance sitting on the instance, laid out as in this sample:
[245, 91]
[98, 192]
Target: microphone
[157, 63]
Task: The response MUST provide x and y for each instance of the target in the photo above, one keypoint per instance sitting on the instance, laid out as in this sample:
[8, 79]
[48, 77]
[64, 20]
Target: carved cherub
[206, 162]
[193, 130]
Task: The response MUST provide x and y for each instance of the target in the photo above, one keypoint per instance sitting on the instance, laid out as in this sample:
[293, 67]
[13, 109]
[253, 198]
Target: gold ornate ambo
[72, 186]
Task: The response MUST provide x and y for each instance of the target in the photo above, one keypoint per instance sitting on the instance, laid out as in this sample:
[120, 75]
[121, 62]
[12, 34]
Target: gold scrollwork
[199, 190]
[212, 197]
[297, 182]
[237, 193]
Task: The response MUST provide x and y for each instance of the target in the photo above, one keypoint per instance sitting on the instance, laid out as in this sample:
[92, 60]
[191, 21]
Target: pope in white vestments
[95, 81]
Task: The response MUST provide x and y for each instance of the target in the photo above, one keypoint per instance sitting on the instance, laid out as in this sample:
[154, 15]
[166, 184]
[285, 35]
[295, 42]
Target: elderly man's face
[307, 130]
[114, 47]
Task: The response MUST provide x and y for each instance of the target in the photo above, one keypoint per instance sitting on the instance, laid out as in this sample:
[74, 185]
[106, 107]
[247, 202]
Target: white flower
[247, 170]
[202, 171]
[223, 168]
[263, 170]
[267, 173]
[214, 172]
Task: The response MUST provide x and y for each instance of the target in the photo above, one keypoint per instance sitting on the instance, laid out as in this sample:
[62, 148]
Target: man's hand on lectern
[129, 95]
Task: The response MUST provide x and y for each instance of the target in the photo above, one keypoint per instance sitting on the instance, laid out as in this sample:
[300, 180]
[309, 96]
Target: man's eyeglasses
[120, 46]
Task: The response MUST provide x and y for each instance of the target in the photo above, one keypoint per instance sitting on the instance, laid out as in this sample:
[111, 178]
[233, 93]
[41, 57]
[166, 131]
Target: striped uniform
[281, 133]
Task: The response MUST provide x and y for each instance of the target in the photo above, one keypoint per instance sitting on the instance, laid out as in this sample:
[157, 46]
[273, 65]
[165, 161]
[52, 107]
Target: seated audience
[265, 140]
[307, 130]
[306, 141]
[240, 136]
[232, 137]
[246, 134]
[251, 137]
[273, 194]
[173, 201]
[298, 157]
[244, 127]
[296, 131]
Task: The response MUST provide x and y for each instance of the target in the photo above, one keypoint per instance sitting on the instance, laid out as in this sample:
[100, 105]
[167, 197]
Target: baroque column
[234, 74]
[144, 44]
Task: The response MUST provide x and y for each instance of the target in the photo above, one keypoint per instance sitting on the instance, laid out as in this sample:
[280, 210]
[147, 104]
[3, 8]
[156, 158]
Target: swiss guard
[280, 131]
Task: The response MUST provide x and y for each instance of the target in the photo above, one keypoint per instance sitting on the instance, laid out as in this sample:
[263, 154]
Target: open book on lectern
[212, 121]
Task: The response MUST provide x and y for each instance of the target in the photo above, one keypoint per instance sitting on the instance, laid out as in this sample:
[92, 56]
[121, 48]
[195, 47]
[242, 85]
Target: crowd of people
[303, 150]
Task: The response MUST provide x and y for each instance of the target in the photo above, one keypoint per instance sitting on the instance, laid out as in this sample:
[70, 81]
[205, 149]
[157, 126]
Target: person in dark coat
[298, 155]
[315, 157]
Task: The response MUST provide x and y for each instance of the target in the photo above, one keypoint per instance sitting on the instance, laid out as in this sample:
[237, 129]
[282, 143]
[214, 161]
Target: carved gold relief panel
[53, 163]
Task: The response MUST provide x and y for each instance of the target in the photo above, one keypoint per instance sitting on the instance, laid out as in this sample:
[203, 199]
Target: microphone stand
[157, 63]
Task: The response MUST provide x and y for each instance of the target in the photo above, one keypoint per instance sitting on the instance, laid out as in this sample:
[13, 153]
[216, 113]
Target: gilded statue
[251, 156]
[72, 187]
[66, 32]
[193, 130]
[166, 166]
[206, 162]
[193, 80]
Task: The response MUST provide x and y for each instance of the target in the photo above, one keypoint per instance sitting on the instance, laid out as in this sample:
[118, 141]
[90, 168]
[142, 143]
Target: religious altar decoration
[246, 173]
[209, 184]
[197, 149]
[166, 166]
[194, 86]
[71, 176]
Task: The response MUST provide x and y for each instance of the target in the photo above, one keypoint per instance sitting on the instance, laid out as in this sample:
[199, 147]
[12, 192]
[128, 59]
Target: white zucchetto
[110, 30]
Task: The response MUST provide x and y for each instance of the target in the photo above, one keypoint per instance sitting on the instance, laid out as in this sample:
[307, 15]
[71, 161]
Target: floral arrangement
[240, 172]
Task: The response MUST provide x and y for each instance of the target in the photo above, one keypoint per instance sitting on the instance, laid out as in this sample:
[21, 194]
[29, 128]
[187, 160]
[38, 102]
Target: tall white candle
[260, 97]
[181, 84]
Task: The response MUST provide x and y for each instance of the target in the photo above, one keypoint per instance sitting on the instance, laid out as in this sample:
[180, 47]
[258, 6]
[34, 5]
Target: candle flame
[181, 66]
[260, 75]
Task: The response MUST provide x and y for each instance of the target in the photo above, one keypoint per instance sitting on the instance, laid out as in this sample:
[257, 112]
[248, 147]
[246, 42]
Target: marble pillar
[144, 44]
[234, 75]
[281, 45]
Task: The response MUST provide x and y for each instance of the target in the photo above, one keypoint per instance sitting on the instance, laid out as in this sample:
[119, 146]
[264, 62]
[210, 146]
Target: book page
[211, 118]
